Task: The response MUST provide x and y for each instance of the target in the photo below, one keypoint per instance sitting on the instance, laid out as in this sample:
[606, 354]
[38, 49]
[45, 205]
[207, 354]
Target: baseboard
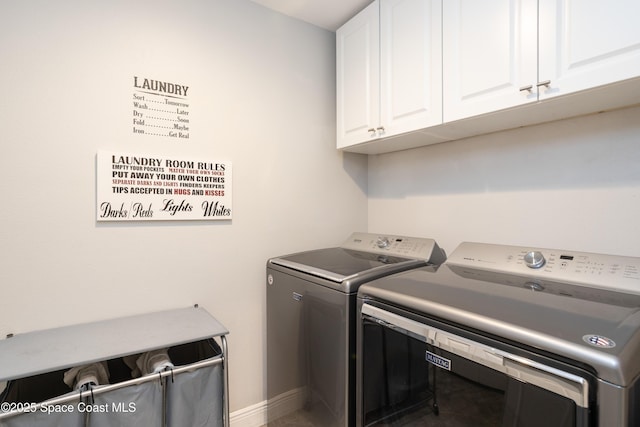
[251, 416]
[261, 413]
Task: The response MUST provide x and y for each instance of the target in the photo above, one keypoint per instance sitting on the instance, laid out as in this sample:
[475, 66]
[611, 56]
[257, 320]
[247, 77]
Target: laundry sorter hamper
[163, 369]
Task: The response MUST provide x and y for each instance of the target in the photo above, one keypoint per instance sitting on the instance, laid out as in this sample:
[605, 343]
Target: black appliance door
[415, 373]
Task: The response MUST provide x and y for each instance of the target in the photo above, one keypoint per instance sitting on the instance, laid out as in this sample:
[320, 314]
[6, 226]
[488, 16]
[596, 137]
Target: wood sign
[143, 187]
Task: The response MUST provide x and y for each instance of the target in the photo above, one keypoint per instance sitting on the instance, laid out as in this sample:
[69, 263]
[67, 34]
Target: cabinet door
[587, 43]
[358, 77]
[411, 65]
[489, 54]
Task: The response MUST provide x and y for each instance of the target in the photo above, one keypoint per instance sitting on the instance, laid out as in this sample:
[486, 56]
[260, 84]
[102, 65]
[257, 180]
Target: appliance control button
[383, 242]
[534, 259]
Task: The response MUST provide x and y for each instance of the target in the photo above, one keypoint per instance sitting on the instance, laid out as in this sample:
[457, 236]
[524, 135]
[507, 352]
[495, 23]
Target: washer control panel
[588, 269]
[399, 246]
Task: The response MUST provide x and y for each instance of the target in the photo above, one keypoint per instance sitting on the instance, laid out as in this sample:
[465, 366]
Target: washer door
[338, 264]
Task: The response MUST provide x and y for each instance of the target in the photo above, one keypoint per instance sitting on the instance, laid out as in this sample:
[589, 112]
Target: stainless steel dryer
[502, 336]
[311, 322]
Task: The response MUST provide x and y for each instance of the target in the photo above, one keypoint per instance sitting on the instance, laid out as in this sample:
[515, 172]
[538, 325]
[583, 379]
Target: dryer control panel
[609, 272]
[399, 246]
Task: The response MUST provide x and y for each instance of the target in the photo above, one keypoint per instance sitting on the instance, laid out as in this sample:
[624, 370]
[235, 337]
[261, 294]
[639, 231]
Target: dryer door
[414, 371]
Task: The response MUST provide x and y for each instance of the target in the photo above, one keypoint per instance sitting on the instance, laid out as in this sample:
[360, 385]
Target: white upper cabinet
[411, 65]
[358, 77]
[389, 71]
[489, 55]
[418, 72]
[587, 43]
[499, 54]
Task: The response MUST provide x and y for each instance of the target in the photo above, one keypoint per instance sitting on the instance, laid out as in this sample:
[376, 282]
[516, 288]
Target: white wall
[573, 184]
[262, 95]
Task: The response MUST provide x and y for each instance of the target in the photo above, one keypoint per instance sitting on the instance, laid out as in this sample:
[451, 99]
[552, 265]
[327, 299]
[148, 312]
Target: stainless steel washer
[311, 321]
[503, 335]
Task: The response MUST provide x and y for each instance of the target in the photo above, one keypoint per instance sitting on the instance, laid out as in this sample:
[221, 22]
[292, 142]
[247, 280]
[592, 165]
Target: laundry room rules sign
[142, 187]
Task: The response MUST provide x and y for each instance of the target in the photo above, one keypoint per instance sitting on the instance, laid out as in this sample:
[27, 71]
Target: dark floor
[299, 418]
[459, 405]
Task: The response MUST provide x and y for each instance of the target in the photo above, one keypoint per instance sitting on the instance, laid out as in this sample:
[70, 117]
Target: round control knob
[534, 259]
[382, 242]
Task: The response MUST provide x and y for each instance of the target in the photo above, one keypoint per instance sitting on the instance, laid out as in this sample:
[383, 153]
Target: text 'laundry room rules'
[134, 187]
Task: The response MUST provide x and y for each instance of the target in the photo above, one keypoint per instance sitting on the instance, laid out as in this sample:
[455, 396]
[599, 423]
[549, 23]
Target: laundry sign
[143, 187]
[160, 108]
